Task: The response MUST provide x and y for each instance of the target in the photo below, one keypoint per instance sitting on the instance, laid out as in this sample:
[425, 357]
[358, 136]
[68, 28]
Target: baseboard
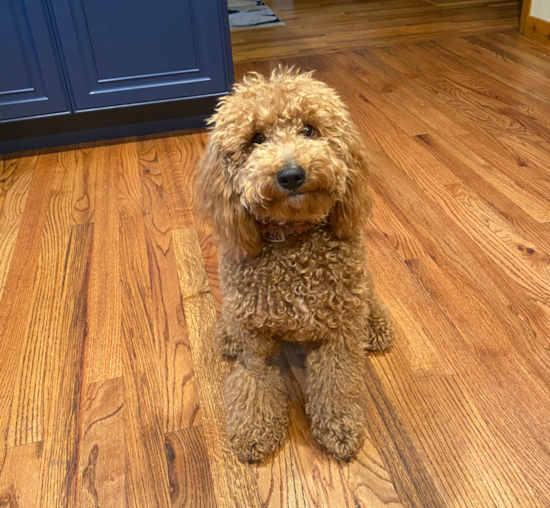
[538, 29]
[59, 130]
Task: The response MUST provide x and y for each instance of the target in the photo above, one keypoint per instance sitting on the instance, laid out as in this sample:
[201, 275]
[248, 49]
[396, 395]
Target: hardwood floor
[328, 26]
[109, 385]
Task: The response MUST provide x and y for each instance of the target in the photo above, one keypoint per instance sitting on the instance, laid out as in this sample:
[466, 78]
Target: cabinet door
[30, 79]
[120, 52]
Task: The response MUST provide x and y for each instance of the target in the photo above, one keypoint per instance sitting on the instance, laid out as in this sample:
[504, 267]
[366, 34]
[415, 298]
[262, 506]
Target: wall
[540, 9]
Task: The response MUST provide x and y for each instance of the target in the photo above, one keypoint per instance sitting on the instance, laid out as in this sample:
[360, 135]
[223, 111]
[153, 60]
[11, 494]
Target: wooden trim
[538, 29]
[525, 11]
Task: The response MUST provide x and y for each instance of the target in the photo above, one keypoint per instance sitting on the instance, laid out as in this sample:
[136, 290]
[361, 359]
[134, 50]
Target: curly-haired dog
[284, 180]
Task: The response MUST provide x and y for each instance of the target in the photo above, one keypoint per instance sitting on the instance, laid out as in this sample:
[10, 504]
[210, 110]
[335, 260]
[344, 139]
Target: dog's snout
[291, 177]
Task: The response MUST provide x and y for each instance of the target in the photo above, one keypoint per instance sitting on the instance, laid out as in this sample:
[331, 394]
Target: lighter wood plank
[177, 372]
[31, 396]
[20, 476]
[104, 350]
[15, 304]
[15, 180]
[146, 469]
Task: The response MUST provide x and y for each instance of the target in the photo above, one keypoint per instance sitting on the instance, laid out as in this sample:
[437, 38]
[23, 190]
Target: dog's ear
[231, 222]
[349, 214]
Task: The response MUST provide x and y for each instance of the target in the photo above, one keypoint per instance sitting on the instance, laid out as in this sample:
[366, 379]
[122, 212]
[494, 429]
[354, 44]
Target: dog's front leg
[256, 400]
[336, 392]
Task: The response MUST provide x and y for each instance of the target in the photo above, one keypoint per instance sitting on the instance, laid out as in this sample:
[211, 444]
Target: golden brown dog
[284, 180]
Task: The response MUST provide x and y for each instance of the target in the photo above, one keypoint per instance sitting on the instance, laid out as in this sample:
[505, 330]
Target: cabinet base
[66, 129]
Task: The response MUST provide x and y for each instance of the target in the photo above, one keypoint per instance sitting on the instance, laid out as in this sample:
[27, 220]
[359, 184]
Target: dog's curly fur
[317, 289]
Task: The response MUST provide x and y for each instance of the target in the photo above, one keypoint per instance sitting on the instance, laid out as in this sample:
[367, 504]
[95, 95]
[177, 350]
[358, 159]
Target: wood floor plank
[102, 467]
[519, 485]
[31, 393]
[178, 158]
[496, 290]
[177, 372]
[179, 163]
[104, 350]
[191, 483]
[63, 422]
[15, 180]
[88, 161]
[15, 304]
[279, 481]
[146, 469]
[20, 476]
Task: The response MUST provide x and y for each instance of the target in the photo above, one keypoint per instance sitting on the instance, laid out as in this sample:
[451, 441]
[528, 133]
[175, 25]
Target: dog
[285, 183]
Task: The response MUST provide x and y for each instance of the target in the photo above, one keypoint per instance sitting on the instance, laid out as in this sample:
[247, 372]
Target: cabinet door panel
[132, 51]
[30, 79]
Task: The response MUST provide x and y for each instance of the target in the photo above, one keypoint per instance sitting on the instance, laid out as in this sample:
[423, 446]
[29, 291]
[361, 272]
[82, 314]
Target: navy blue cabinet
[132, 51]
[79, 70]
[30, 76]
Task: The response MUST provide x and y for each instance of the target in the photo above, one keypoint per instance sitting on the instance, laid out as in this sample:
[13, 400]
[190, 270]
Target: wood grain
[15, 181]
[177, 371]
[101, 479]
[104, 351]
[189, 469]
[15, 304]
[31, 393]
[63, 420]
[20, 476]
[525, 11]
[146, 470]
[313, 27]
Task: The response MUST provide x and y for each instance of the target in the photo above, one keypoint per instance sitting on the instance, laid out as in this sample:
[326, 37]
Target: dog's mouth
[298, 205]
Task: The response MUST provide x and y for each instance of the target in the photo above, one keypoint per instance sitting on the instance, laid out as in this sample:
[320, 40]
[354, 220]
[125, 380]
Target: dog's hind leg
[256, 400]
[226, 339]
[380, 332]
[337, 393]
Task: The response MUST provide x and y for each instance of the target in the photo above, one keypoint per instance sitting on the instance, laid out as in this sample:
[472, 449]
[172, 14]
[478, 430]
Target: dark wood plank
[102, 457]
[63, 421]
[189, 469]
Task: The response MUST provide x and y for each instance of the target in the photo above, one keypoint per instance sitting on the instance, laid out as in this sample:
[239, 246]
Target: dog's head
[282, 149]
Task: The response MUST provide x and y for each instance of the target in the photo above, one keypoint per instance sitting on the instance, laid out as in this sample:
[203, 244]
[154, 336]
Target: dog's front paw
[380, 331]
[341, 437]
[257, 412]
[380, 338]
[253, 443]
[226, 344]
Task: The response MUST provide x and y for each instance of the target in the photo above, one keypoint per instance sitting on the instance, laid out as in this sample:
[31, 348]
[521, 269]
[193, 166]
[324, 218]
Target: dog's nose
[291, 177]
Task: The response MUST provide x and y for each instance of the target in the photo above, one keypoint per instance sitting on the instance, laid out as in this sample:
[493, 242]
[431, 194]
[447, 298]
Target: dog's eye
[308, 131]
[258, 138]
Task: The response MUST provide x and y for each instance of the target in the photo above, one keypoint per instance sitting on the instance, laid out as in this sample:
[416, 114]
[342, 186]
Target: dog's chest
[309, 288]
